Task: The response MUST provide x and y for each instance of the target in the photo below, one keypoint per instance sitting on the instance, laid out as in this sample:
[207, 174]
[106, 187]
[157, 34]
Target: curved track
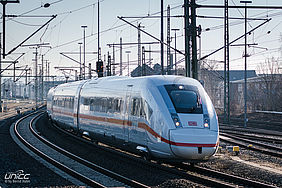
[196, 174]
[77, 167]
[236, 180]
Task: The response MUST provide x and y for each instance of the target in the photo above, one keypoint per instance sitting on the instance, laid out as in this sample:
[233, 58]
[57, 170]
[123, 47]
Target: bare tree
[213, 81]
[270, 88]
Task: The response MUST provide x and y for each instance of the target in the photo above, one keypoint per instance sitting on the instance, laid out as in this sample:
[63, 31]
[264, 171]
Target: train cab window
[184, 99]
[135, 107]
[142, 109]
[147, 110]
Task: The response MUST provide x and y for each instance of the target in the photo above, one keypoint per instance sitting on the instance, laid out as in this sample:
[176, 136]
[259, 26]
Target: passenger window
[142, 109]
[135, 107]
[117, 104]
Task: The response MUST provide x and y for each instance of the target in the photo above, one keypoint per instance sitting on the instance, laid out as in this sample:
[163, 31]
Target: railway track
[255, 122]
[269, 139]
[250, 130]
[71, 164]
[235, 180]
[245, 143]
[197, 178]
[255, 125]
[194, 173]
[22, 109]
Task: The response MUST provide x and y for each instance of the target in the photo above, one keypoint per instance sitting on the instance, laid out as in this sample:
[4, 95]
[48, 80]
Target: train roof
[120, 82]
[155, 79]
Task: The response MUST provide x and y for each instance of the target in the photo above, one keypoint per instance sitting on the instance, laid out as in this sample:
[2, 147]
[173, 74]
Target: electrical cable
[106, 30]
[26, 24]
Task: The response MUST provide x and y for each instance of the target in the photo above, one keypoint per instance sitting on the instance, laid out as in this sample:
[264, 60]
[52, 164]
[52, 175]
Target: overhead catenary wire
[58, 42]
[103, 31]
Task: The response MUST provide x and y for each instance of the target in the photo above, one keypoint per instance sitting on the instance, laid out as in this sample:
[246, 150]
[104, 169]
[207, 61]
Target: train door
[76, 107]
[134, 119]
[127, 123]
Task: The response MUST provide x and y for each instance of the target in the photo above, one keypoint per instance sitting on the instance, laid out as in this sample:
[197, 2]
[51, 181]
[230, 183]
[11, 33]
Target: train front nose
[193, 143]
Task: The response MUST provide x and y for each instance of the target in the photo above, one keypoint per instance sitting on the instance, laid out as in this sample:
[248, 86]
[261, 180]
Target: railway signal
[99, 68]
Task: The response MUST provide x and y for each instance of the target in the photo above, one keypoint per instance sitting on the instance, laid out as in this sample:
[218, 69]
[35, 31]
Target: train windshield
[184, 99]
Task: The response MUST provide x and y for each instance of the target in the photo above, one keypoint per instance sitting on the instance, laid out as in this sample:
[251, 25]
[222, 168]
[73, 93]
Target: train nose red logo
[192, 123]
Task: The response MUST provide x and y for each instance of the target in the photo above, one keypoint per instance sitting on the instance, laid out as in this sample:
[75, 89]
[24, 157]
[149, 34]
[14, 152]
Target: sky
[64, 32]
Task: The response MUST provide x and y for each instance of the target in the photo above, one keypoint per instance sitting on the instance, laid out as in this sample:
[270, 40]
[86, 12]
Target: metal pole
[227, 64]
[162, 36]
[36, 79]
[143, 62]
[150, 55]
[99, 52]
[245, 93]
[175, 53]
[245, 73]
[109, 65]
[168, 41]
[80, 68]
[48, 72]
[139, 45]
[113, 62]
[187, 39]
[84, 53]
[4, 28]
[128, 52]
[225, 54]
[120, 63]
[29, 92]
[42, 74]
[89, 67]
[84, 49]
[26, 76]
[0, 77]
[194, 40]
[128, 63]
[14, 71]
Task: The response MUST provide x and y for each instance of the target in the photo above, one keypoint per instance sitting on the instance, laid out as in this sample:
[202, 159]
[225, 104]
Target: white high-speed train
[163, 117]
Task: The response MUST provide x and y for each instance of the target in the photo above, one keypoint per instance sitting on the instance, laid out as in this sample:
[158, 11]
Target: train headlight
[176, 120]
[177, 124]
[206, 121]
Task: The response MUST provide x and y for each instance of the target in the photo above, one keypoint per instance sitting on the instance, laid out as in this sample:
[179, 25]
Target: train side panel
[141, 113]
[64, 104]
[101, 113]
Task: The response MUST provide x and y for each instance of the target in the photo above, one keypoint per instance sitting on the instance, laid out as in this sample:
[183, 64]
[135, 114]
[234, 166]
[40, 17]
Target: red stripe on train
[140, 125]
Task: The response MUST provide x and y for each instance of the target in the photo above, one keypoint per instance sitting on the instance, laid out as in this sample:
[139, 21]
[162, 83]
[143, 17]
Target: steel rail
[240, 120]
[231, 178]
[275, 148]
[241, 141]
[253, 137]
[85, 162]
[59, 165]
[197, 178]
[233, 127]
